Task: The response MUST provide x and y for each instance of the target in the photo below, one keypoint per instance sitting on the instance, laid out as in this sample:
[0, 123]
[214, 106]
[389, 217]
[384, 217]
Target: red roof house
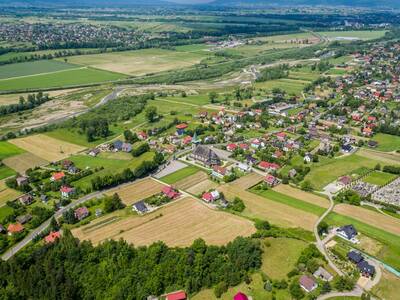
[240, 296]
[170, 192]
[15, 228]
[265, 165]
[187, 140]
[142, 135]
[179, 295]
[281, 135]
[81, 213]
[231, 147]
[271, 180]
[52, 237]
[57, 176]
[181, 126]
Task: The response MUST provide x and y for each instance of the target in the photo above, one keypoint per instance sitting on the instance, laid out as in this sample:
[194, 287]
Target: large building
[206, 156]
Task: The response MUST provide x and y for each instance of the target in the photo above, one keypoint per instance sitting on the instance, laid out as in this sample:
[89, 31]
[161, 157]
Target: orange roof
[52, 237]
[15, 228]
[58, 176]
[181, 126]
[180, 295]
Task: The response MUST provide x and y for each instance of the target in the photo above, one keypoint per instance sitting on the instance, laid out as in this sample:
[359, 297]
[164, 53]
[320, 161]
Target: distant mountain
[351, 3]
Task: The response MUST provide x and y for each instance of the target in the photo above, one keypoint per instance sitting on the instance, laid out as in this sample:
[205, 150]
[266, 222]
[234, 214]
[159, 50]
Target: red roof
[207, 197]
[269, 179]
[58, 176]
[51, 238]
[231, 147]
[180, 295]
[268, 165]
[240, 296]
[170, 192]
[244, 146]
[181, 126]
[187, 140]
[281, 134]
[66, 189]
[15, 228]
[220, 170]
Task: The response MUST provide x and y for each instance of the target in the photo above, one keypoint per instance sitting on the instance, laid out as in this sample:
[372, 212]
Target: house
[366, 269]
[323, 274]
[277, 154]
[180, 128]
[170, 192]
[52, 237]
[117, 145]
[26, 199]
[24, 219]
[67, 191]
[307, 283]
[346, 148]
[267, 166]
[186, 140]
[211, 196]
[344, 180]
[126, 147]
[308, 158]
[57, 176]
[66, 164]
[244, 146]
[140, 207]
[348, 232]
[231, 147]
[178, 295]
[81, 213]
[355, 257]
[256, 143]
[15, 228]
[240, 296]
[142, 136]
[271, 180]
[94, 152]
[281, 136]
[367, 131]
[22, 180]
[244, 167]
[292, 173]
[205, 155]
[219, 171]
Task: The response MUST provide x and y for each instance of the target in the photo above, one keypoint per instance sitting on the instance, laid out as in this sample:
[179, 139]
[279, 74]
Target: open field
[375, 219]
[24, 161]
[383, 157]
[46, 147]
[290, 86]
[280, 257]
[387, 142]
[379, 178]
[353, 34]
[191, 180]
[141, 62]
[6, 172]
[7, 194]
[5, 211]
[33, 68]
[248, 180]
[202, 186]
[182, 221]
[302, 195]
[7, 150]
[388, 286]
[65, 78]
[137, 191]
[180, 174]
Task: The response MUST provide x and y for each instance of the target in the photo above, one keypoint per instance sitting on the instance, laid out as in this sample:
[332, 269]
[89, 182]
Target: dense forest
[70, 269]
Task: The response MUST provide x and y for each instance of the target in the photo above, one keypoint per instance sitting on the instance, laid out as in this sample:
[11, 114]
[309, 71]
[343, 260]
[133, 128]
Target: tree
[238, 205]
[69, 216]
[113, 203]
[295, 290]
[326, 288]
[130, 137]
[323, 227]
[151, 113]
[212, 96]
[220, 288]
[306, 186]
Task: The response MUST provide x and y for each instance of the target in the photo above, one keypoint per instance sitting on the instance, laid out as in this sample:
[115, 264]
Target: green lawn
[290, 201]
[390, 253]
[6, 172]
[5, 211]
[64, 78]
[7, 149]
[291, 86]
[180, 174]
[32, 68]
[357, 34]
[387, 142]
[379, 178]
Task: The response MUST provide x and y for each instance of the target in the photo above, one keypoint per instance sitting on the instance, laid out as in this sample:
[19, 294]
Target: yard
[387, 142]
[379, 178]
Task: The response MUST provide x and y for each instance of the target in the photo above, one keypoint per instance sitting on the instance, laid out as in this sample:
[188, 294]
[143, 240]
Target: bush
[220, 288]
[238, 205]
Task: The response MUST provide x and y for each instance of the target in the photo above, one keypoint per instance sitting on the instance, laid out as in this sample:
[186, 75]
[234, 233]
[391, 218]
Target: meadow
[387, 142]
[8, 149]
[7, 194]
[290, 86]
[6, 172]
[33, 68]
[356, 34]
[379, 178]
[65, 78]
[180, 174]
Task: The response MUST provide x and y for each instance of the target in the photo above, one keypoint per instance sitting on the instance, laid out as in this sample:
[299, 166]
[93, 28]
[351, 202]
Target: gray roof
[206, 155]
[140, 206]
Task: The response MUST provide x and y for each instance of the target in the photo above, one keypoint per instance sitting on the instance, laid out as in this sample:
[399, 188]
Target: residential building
[140, 207]
[52, 237]
[323, 274]
[308, 283]
[26, 199]
[15, 228]
[81, 213]
[348, 232]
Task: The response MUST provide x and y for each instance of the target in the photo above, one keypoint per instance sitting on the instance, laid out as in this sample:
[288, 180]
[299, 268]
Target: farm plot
[180, 174]
[141, 62]
[379, 178]
[387, 142]
[353, 35]
[248, 181]
[202, 186]
[301, 195]
[290, 86]
[7, 194]
[23, 162]
[191, 181]
[6, 172]
[7, 150]
[384, 157]
[137, 191]
[177, 224]
[47, 148]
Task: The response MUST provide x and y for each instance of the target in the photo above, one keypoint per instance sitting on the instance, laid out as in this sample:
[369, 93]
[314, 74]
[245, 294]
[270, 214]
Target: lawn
[5, 211]
[180, 174]
[7, 149]
[6, 172]
[33, 68]
[65, 78]
[379, 178]
[389, 254]
[387, 142]
[290, 201]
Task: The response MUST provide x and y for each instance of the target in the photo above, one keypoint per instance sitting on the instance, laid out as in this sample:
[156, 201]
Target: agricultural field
[290, 86]
[22, 162]
[5, 172]
[387, 142]
[33, 68]
[388, 286]
[137, 191]
[353, 35]
[182, 221]
[65, 78]
[7, 194]
[141, 62]
[387, 158]
[301, 195]
[190, 181]
[180, 174]
[8, 149]
[379, 178]
[47, 148]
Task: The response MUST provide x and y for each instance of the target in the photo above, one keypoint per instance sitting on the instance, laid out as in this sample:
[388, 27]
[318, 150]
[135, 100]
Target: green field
[180, 174]
[7, 149]
[379, 178]
[33, 68]
[356, 34]
[290, 201]
[390, 252]
[65, 78]
[328, 170]
[5, 211]
[387, 142]
[6, 172]
[290, 86]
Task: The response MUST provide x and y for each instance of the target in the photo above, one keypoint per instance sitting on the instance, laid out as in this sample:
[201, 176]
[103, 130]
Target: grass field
[182, 222]
[387, 158]
[22, 162]
[353, 34]
[47, 148]
[33, 68]
[7, 194]
[390, 252]
[7, 149]
[6, 172]
[141, 62]
[301, 195]
[379, 178]
[290, 86]
[65, 78]
[190, 181]
[180, 174]
[5, 211]
[387, 142]
[388, 286]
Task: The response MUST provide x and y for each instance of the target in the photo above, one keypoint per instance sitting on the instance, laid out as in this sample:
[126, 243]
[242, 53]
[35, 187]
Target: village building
[180, 128]
[81, 213]
[211, 196]
[170, 192]
[307, 283]
[323, 274]
[94, 152]
[57, 176]
[206, 156]
[15, 228]
[52, 237]
[67, 191]
[219, 171]
[24, 219]
[271, 180]
[178, 295]
[26, 199]
[348, 232]
[140, 207]
[268, 167]
[22, 180]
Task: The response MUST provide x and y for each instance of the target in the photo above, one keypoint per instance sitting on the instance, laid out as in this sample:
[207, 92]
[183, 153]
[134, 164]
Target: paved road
[357, 292]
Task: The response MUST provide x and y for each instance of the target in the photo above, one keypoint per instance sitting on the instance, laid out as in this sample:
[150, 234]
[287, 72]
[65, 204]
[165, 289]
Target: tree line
[31, 102]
